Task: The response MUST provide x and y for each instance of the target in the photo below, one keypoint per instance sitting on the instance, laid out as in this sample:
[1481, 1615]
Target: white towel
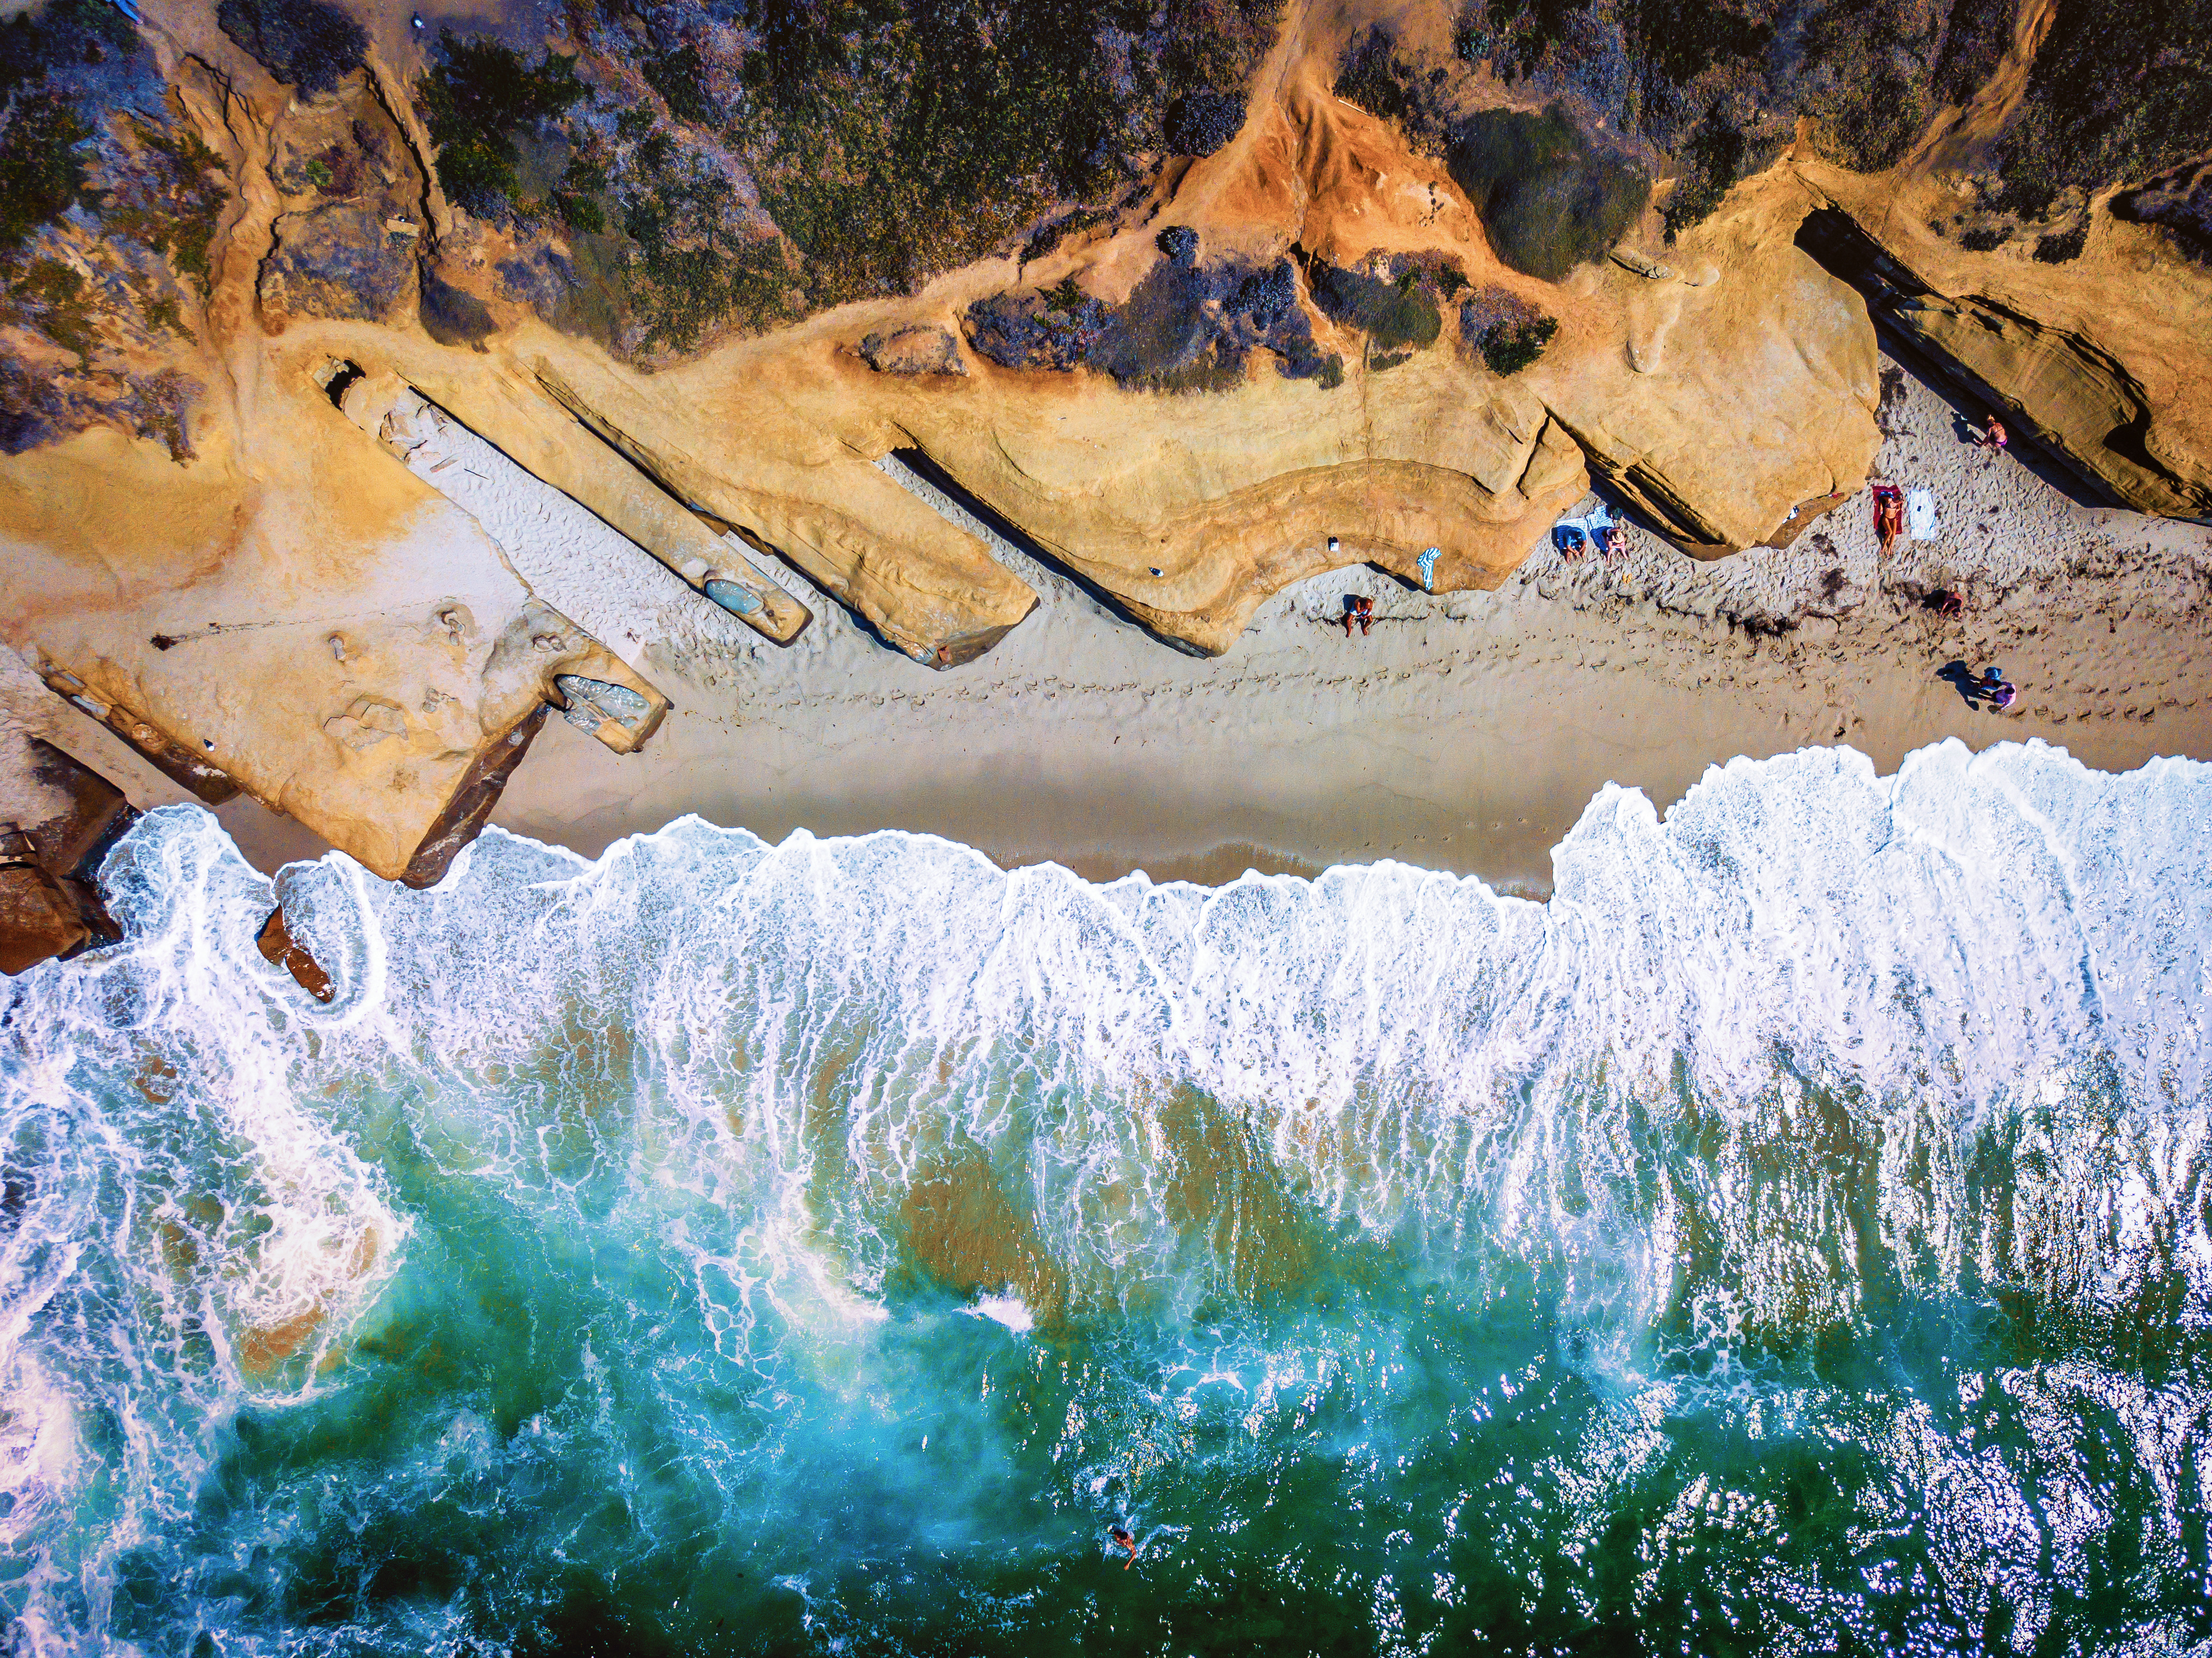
[1920, 508]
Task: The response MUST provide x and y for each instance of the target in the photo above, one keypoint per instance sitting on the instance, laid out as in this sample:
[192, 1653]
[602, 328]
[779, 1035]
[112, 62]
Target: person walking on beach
[1122, 1540]
[1999, 689]
[1358, 607]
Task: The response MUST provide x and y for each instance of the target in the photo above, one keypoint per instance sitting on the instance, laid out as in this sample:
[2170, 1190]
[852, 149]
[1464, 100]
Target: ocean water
[1790, 1238]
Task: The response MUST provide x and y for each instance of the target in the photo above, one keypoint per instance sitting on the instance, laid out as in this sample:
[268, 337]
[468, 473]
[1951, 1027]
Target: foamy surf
[623, 1244]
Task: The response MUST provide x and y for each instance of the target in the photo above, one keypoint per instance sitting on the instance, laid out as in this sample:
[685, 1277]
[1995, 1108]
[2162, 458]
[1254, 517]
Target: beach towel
[1920, 513]
[1428, 561]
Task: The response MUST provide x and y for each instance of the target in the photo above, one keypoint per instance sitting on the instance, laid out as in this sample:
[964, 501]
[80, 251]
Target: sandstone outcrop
[370, 692]
[2104, 359]
[64, 818]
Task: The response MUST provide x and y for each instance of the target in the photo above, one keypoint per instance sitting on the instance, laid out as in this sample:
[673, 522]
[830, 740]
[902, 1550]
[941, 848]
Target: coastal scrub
[1505, 330]
[1550, 199]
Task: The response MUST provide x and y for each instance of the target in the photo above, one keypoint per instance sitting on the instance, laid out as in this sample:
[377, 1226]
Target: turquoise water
[1790, 1238]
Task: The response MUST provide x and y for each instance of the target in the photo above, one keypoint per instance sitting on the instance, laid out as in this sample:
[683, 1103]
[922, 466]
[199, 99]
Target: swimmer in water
[1122, 1539]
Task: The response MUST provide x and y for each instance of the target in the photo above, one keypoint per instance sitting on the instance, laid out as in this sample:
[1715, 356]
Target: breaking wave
[1792, 1235]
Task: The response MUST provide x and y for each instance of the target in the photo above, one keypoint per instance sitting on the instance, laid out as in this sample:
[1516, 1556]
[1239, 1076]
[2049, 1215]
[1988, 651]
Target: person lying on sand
[1122, 1540]
[1888, 514]
[1358, 607]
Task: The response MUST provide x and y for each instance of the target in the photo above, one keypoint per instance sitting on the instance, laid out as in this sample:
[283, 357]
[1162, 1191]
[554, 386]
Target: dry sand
[1466, 732]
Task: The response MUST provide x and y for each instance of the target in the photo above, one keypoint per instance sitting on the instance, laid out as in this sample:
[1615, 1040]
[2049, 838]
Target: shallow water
[1791, 1238]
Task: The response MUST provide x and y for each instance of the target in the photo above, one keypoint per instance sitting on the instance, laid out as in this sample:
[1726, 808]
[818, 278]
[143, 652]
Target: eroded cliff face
[1369, 284]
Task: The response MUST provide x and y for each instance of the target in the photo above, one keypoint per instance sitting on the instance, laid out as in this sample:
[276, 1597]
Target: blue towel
[1429, 569]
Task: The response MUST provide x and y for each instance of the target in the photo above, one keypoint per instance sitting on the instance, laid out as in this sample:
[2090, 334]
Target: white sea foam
[1008, 1310]
[1808, 985]
[1954, 942]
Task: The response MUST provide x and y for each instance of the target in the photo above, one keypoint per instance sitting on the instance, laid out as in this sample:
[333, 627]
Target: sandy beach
[1465, 733]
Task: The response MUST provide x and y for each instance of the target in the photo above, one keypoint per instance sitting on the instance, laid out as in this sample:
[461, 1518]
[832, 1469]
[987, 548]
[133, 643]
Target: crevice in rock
[1893, 290]
[1648, 499]
[918, 462]
[342, 374]
[472, 803]
[593, 706]
[768, 616]
[50, 902]
[180, 764]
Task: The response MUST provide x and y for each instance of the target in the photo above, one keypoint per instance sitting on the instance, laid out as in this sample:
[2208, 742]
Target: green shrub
[675, 76]
[2120, 89]
[2061, 247]
[1710, 161]
[2178, 203]
[1382, 81]
[186, 185]
[307, 43]
[1548, 198]
[60, 291]
[62, 32]
[1394, 315]
[1162, 329]
[582, 213]
[1975, 37]
[40, 175]
[1504, 329]
[476, 100]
